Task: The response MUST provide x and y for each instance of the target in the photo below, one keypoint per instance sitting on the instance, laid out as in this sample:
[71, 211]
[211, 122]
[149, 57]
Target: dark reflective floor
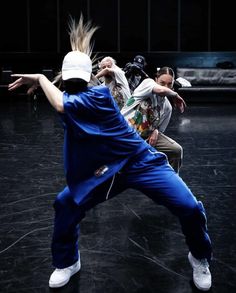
[127, 244]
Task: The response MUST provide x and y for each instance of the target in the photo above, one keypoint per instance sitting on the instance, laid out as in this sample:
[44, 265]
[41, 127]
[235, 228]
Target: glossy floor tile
[128, 244]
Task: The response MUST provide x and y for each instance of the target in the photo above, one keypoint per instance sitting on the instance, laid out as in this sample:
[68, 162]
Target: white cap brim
[68, 74]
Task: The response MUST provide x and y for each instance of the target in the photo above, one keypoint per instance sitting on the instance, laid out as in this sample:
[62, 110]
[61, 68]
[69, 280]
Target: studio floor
[127, 244]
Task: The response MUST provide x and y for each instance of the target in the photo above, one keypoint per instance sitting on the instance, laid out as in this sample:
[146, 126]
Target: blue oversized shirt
[96, 136]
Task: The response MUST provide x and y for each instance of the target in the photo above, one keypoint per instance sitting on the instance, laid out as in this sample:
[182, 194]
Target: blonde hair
[80, 34]
[108, 58]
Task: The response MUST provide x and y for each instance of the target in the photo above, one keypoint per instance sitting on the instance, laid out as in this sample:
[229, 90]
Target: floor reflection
[127, 244]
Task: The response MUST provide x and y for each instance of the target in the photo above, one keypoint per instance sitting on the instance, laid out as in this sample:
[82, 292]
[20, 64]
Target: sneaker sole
[58, 285]
[200, 288]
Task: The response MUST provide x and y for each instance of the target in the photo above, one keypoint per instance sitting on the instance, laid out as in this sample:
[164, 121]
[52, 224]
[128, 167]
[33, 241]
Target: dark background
[128, 245]
[34, 34]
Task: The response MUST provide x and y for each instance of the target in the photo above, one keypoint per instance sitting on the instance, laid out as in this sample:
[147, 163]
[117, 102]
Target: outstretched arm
[53, 94]
[165, 91]
[104, 72]
[179, 103]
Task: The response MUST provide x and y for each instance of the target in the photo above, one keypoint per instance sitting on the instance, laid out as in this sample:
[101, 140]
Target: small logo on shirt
[101, 171]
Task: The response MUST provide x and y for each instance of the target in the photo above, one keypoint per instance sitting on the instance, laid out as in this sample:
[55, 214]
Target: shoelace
[203, 266]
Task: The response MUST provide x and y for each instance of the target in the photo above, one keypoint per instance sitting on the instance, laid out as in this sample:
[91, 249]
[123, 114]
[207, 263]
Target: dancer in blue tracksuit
[103, 156]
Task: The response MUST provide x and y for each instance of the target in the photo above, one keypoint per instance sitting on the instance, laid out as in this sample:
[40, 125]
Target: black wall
[201, 30]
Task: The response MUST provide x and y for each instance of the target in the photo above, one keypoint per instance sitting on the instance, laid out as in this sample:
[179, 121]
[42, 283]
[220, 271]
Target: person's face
[165, 80]
[105, 64]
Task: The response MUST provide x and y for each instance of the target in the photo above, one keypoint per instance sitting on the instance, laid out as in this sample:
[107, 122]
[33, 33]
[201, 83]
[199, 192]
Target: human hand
[179, 103]
[31, 80]
[152, 140]
[105, 72]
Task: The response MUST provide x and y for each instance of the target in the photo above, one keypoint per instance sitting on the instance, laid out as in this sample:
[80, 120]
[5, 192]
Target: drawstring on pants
[112, 182]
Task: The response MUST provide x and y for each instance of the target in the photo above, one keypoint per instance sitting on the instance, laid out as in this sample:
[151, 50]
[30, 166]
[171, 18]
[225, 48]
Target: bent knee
[194, 209]
[177, 151]
[63, 198]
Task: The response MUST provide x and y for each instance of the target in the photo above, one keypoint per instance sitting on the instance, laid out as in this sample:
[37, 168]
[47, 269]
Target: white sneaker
[201, 273]
[60, 277]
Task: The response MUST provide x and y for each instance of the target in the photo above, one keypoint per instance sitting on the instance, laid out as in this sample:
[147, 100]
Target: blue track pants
[149, 173]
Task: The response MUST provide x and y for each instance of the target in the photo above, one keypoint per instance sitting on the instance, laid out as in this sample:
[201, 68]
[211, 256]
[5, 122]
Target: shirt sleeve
[122, 81]
[72, 103]
[145, 88]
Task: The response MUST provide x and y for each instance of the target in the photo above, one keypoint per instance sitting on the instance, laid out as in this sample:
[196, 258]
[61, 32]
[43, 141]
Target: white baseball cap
[76, 65]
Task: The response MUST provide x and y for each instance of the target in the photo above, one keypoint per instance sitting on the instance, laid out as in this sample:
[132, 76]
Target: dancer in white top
[114, 78]
[149, 111]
